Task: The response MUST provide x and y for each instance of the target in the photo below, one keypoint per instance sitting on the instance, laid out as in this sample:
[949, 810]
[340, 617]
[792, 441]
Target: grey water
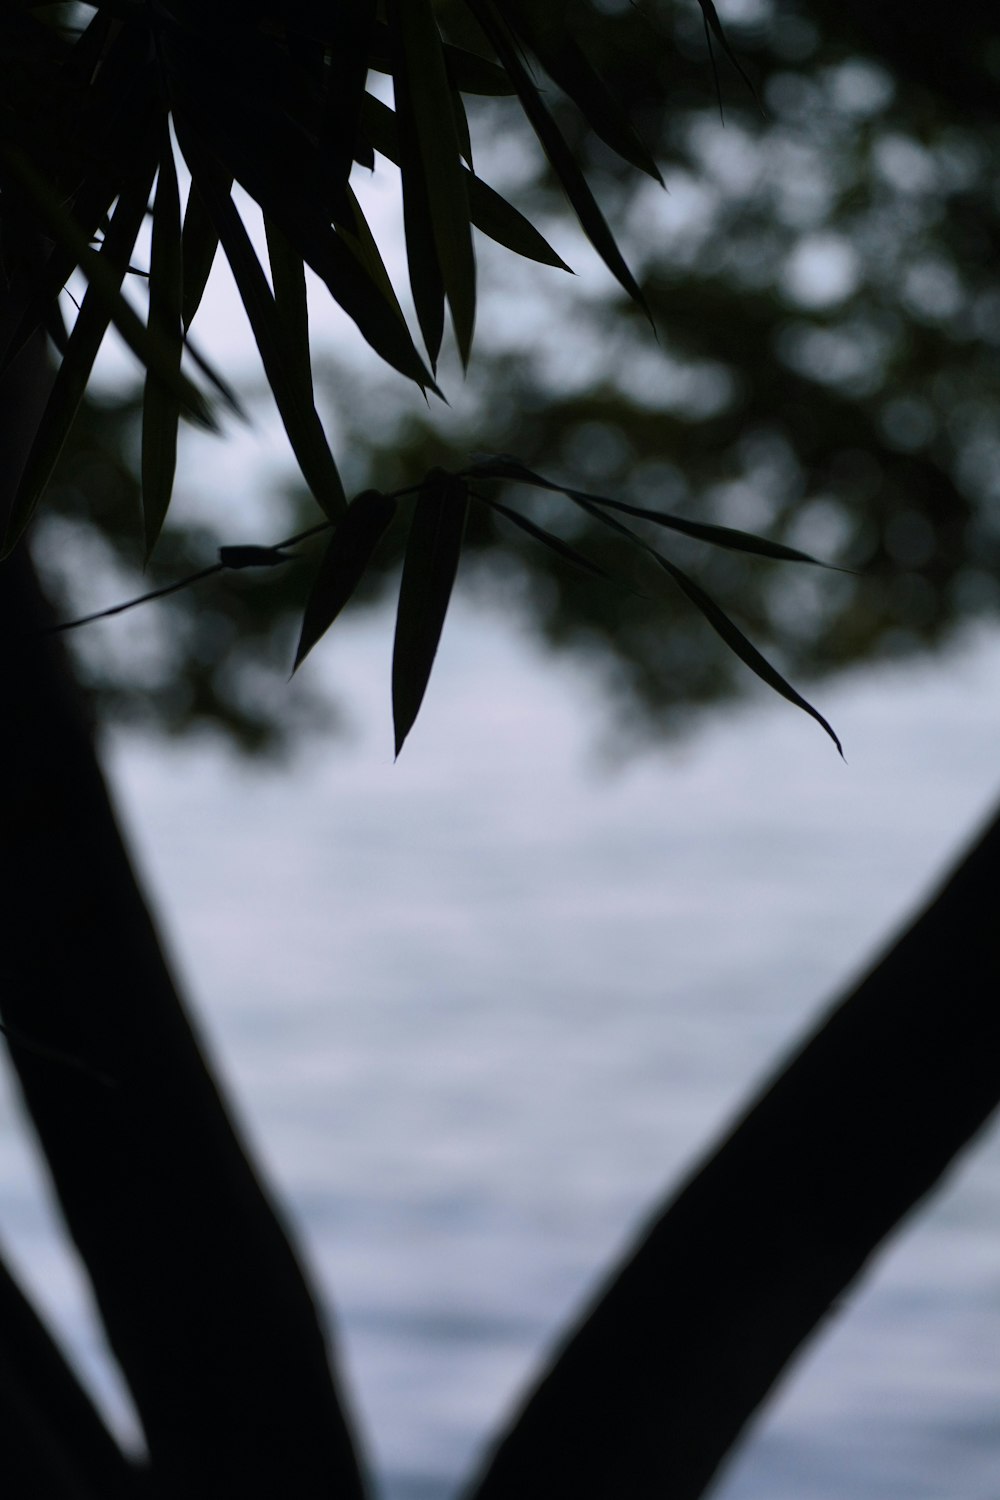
[481, 1008]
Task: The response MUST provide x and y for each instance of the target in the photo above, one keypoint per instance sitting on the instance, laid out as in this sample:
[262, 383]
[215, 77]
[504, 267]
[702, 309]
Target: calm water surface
[479, 1009]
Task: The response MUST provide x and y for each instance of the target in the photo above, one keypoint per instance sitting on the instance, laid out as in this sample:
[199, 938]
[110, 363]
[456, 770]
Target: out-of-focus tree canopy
[824, 284]
[822, 276]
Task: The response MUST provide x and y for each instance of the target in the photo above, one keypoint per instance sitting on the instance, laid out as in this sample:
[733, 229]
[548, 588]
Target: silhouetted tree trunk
[200, 1293]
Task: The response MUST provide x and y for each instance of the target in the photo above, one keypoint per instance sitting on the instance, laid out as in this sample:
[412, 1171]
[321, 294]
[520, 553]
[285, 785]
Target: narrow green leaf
[79, 172]
[714, 27]
[38, 292]
[346, 72]
[291, 305]
[199, 242]
[160, 406]
[548, 539]
[280, 356]
[105, 279]
[717, 536]
[563, 59]
[467, 71]
[344, 564]
[506, 466]
[472, 74]
[299, 214]
[503, 467]
[198, 249]
[719, 621]
[81, 350]
[380, 126]
[362, 299]
[55, 326]
[507, 226]
[429, 568]
[737, 641]
[258, 105]
[462, 132]
[563, 161]
[425, 103]
[488, 211]
[422, 261]
[362, 243]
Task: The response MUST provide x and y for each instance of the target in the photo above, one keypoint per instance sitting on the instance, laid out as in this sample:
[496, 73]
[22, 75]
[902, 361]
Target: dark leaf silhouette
[545, 31]
[345, 68]
[505, 467]
[291, 307]
[199, 243]
[432, 169]
[467, 71]
[548, 539]
[92, 322]
[197, 1284]
[504, 223]
[714, 27]
[720, 623]
[488, 210]
[737, 641]
[564, 163]
[361, 242]
[105, 270]
[270, 153]
[160, 406]
[433, 548]
[422, 259]
[344, 564]
[281, 354]
[55, 1443]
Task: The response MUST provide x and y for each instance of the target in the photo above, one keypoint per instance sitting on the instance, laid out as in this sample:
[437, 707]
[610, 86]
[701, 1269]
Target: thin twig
[230, 559]
[119, 609]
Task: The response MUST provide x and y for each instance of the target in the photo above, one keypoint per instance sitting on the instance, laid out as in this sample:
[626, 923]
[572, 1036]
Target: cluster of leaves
[435, 531]
[824, 283]
[275, 103]
[432, 554]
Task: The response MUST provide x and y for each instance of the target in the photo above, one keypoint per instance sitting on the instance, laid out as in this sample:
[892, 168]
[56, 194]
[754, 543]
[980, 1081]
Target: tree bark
[200, 1292]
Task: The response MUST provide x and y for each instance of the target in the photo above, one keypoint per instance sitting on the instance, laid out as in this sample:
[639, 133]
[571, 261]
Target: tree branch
[649, 1394]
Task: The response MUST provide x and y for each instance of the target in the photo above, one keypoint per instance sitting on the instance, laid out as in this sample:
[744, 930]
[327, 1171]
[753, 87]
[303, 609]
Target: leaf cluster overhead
[857, 419]
[277, 104]
[277, 101]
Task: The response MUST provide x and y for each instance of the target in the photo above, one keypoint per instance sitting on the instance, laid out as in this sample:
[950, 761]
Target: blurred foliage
[824, 286]
[823, 283]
